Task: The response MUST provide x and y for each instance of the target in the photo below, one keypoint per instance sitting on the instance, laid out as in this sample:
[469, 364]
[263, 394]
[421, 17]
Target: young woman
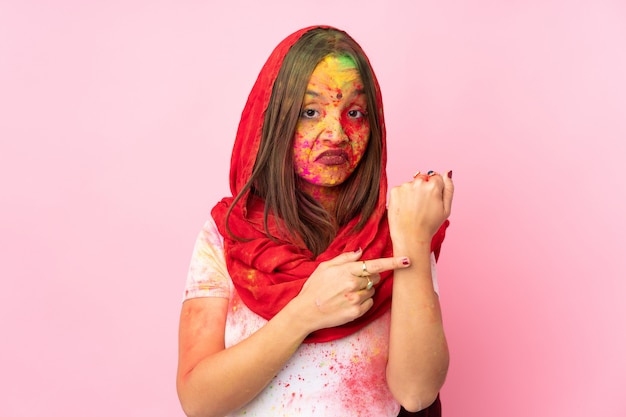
[306, 295]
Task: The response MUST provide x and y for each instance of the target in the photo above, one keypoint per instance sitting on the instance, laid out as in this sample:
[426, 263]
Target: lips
[333, 157]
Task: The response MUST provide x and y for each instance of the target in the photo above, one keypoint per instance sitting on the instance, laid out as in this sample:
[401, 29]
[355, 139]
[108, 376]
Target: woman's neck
[326, 196]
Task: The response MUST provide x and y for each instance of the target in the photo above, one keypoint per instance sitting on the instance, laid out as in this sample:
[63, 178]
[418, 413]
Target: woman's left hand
[419, 207]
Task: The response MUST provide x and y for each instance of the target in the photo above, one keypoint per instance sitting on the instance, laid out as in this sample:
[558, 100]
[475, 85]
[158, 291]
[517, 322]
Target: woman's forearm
[418, 352]
[230, 378]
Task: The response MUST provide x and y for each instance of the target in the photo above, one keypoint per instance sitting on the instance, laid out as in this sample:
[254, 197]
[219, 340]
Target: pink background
[116, 125]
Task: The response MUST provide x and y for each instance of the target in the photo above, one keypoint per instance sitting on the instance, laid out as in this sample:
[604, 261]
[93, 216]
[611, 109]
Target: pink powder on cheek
[301, 146]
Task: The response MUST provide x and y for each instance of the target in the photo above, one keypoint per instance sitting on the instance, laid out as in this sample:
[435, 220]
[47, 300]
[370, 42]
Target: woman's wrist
[296, 318]
[411, 245]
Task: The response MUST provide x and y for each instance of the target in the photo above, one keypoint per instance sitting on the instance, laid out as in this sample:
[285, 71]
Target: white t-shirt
[342, 378]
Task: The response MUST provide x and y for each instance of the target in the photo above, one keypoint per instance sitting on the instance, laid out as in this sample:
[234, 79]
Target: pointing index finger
[376, 266]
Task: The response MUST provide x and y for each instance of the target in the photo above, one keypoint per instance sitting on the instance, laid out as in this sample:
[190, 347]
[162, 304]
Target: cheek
[358, 133]
[358, 150]
[356, 130]
[301, 149]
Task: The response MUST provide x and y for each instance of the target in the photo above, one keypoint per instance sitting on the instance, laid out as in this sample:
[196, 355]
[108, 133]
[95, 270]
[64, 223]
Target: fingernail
[416, 174]
[406, 261]
[358, 250]
[450, 174]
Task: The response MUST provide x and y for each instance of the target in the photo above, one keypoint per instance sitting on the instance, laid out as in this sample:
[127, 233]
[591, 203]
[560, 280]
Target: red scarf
[268, 274]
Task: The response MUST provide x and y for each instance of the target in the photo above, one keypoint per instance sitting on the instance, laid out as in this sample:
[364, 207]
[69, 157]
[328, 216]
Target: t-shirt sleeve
[208, 276]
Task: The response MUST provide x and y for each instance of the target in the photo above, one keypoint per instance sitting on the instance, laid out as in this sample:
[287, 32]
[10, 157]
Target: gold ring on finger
[364, 272]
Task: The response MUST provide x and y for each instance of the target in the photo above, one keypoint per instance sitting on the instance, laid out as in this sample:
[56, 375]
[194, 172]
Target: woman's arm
[418, 351]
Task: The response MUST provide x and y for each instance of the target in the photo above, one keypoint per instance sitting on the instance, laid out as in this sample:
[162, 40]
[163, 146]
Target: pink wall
[116, 122]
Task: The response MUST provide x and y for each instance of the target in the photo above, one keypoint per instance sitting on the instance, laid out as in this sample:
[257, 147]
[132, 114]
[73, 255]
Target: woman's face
[333, 129]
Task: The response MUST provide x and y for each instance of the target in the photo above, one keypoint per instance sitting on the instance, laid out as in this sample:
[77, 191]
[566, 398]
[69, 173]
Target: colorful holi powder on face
[333, 130]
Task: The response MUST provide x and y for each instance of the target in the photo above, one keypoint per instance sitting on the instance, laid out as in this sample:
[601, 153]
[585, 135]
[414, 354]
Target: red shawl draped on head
[268, 273]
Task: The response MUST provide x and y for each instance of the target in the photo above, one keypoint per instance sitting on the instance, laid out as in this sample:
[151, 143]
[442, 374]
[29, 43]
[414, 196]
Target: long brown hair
[273, 177]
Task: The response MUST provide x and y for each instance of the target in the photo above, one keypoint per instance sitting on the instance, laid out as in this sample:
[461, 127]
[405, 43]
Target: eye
[355, 114]
[309, 113]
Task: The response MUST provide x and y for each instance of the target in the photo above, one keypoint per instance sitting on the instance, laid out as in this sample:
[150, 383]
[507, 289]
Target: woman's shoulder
[208, 275]
[211, 234]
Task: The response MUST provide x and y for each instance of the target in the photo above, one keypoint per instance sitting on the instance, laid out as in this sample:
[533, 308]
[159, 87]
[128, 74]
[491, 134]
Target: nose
[333, 131]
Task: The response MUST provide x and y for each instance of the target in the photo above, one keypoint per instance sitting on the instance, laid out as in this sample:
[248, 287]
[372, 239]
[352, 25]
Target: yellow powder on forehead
[335, 71]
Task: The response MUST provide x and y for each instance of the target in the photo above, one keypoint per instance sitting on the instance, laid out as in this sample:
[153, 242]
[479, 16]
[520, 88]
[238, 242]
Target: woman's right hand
[336, 293]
